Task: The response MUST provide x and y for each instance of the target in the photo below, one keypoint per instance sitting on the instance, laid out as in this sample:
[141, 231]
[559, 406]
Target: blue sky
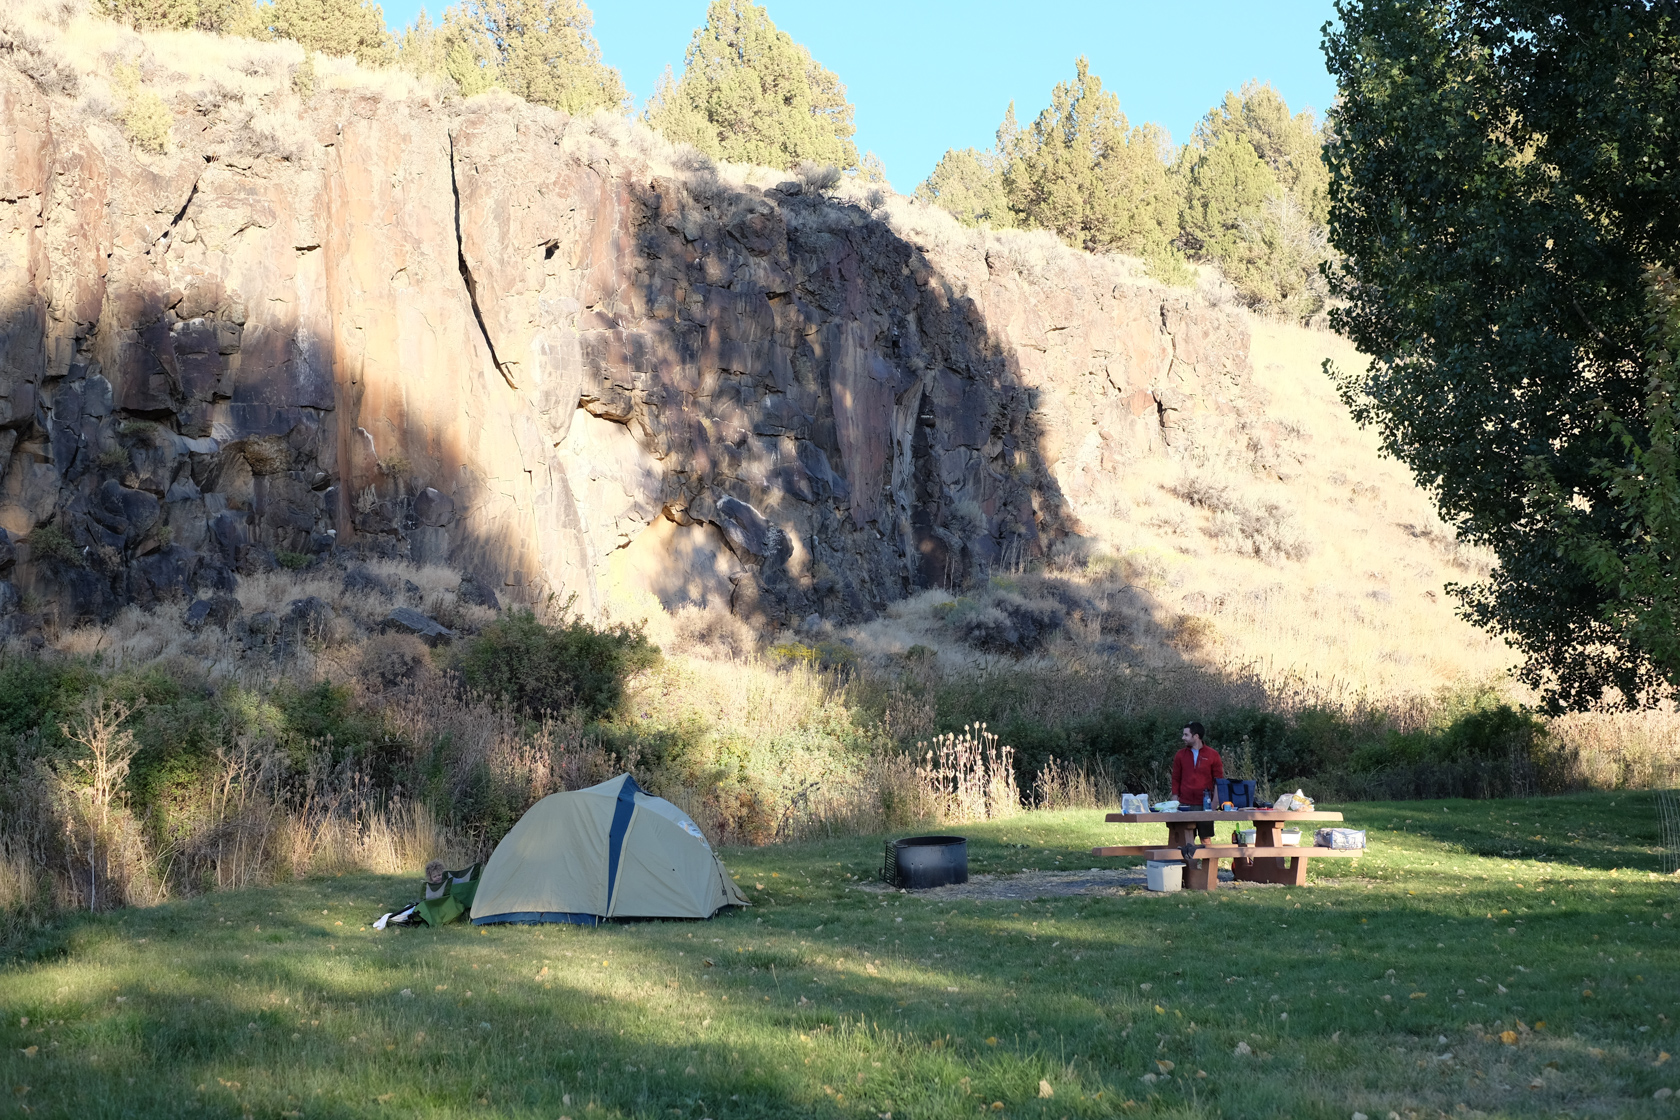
[927, 75]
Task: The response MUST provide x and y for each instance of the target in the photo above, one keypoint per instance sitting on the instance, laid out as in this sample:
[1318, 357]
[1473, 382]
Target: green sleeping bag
[452, 898]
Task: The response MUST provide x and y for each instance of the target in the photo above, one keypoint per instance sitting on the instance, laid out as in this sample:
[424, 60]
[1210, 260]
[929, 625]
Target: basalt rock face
[479, 334]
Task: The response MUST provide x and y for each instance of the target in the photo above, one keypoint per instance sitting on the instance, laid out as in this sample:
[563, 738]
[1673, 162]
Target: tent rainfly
[609, 851]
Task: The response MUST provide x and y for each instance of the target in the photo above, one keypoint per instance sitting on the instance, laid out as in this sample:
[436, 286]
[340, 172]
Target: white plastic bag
[1134, 803]
[1341, 839]
[1296, 802]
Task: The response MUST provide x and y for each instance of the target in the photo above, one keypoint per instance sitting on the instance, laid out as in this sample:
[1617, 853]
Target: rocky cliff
[552, 353]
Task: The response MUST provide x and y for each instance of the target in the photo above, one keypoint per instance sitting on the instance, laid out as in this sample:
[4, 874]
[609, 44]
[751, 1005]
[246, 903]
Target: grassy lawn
[1507, 958]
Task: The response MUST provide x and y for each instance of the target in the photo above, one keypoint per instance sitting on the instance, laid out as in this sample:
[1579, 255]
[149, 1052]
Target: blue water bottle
[1207, 801]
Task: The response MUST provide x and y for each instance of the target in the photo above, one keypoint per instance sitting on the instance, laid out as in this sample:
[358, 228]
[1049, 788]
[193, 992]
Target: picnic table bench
[1267, 860]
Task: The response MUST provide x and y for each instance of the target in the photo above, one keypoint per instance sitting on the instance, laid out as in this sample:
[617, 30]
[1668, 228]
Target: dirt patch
[1028, 885]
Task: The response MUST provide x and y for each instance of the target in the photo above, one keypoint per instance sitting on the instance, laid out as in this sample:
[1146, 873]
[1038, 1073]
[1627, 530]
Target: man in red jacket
[1194, 770]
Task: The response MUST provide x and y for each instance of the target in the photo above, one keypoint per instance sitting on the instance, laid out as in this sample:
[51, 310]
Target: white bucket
[1290, 836]
[1164, 875]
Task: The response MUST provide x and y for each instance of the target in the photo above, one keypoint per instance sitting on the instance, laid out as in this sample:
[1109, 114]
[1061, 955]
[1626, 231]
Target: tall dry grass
[1618, 750]
[969, 776]
[68, 840]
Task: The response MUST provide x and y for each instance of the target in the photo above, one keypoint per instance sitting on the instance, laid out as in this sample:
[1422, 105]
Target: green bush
[293, 560]
[145, 117]
[52, 544]
[823, 655]
[537, 668]
[303, 79]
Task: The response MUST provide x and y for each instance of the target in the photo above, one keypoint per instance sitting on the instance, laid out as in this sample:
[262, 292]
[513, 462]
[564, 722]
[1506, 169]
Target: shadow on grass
[1588, 830]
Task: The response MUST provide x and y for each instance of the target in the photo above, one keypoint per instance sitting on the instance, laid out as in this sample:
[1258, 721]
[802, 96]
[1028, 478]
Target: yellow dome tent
[609, 851]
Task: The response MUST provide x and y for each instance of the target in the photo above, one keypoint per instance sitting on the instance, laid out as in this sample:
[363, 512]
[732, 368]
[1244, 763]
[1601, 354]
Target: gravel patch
[1028, 885]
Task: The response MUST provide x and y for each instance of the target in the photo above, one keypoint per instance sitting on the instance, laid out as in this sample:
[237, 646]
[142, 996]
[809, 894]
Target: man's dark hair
[1197, 730]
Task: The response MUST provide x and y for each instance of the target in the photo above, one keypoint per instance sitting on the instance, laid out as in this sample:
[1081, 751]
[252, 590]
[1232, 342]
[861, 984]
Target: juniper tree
[542, 50]
[335, 27]
[1083, 172]
[750, 94]
[969, 183]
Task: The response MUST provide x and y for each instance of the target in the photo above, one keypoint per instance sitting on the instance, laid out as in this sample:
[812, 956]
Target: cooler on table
[1238, 791]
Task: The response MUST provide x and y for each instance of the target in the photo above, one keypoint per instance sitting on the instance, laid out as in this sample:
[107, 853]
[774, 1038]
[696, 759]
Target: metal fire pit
[919, 862]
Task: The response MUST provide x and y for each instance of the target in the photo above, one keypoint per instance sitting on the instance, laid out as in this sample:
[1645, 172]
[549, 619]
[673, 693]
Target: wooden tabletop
[1200, 817]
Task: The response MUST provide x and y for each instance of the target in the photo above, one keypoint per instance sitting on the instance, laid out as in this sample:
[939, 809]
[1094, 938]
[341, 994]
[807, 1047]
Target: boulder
[218, 610]
[306, 617]
[407, 620]
[431, 507]
[359, 579]
[165, 574]
[477, 594]
[214, 576]
[254, 559]
[746, 530]
[84, 595]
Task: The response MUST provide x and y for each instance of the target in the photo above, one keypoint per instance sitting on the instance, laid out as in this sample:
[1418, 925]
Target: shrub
[293, 560]
[145, 117]
[714, 632]
[536, 668]
[1257, 527]
[1004, 622]
[303, 79]
[391, 659]
[147, 15]
[823, 655]
[52, 544]
[1193, 633]
[1015, 616]
[1169, 267]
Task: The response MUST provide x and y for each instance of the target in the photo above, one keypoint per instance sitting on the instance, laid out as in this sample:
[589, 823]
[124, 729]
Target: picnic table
[1267, 860]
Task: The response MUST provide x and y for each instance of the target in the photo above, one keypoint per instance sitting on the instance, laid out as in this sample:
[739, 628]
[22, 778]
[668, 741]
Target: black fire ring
[918, 862]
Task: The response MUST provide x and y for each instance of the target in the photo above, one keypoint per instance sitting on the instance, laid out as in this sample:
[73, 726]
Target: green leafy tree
[1502, 179]
[334, 27]
[540, 50]
[969, 183]
[1637, 566]
[1277, 257]
[1083, 172]
[750, 94]
[870, 169]
[421, 47]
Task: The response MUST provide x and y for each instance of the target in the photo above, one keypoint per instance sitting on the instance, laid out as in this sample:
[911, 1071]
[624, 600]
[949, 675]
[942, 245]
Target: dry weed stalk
[971, 776]
[1067, 785]
[98, 729]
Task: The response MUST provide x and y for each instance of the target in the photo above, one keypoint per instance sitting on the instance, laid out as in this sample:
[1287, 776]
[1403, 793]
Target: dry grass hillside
[1302, 556]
